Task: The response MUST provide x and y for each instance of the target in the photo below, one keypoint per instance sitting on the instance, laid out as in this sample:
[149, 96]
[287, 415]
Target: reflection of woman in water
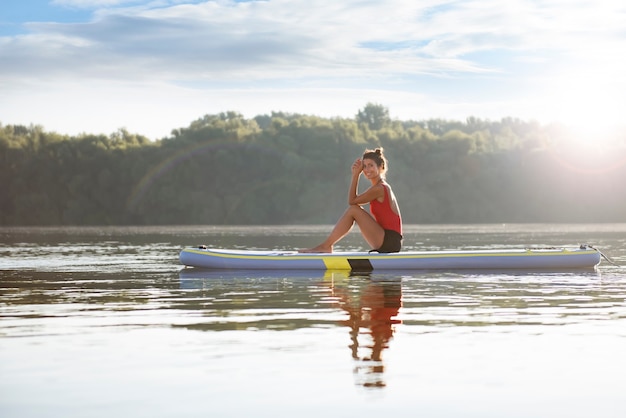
[374, 310]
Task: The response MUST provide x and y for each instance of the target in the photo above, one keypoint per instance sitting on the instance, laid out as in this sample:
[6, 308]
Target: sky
[152, 66]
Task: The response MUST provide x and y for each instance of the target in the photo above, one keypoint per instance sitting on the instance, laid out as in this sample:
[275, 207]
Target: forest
[282, 168]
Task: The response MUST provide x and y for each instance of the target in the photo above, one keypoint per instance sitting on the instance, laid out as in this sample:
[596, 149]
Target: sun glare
[586, 100]
[589, 103]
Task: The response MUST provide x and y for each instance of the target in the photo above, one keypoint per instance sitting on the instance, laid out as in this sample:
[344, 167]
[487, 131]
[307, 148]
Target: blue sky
[96, 66]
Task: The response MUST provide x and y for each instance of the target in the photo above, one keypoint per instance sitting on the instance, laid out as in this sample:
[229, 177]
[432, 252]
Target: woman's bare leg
[373, 233]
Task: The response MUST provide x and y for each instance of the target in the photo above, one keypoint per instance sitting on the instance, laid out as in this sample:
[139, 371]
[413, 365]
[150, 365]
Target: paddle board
[528, 258]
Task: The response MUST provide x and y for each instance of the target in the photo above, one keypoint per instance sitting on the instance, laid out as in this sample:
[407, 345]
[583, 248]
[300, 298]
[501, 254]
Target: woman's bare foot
[318, 249]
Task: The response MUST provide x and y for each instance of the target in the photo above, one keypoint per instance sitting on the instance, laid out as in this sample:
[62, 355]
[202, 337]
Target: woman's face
[370, 169]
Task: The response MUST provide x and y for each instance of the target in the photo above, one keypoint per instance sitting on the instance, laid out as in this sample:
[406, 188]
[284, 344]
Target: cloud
[483, 55]
[234, 40]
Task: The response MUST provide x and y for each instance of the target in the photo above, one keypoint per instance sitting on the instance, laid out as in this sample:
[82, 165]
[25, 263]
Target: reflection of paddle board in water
[225, 274]
[548, 258]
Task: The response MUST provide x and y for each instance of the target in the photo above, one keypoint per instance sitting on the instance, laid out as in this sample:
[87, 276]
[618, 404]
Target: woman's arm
[367, 196]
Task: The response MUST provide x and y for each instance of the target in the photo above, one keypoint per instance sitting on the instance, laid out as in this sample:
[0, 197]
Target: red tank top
[384, 215]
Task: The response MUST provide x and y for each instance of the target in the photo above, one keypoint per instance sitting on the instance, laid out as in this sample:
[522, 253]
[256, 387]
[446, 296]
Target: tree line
[287, 168]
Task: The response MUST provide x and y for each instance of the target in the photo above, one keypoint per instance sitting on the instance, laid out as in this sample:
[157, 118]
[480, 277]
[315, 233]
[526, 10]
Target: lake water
[104, 322]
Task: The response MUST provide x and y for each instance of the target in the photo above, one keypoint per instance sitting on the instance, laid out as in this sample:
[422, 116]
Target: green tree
[374, 116]
[292, 168]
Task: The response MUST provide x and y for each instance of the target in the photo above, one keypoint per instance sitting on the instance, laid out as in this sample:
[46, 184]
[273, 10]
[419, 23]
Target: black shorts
[392, 243]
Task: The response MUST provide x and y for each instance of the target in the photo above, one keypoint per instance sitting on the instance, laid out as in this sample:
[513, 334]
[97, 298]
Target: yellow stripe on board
[336, 263]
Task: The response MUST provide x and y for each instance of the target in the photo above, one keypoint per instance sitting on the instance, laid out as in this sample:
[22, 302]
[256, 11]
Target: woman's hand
[357, 167]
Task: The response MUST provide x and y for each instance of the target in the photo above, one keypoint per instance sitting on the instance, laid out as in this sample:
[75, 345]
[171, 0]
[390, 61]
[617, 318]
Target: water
[101, 322]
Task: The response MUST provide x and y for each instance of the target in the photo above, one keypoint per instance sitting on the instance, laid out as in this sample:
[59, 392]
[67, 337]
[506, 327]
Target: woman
[382, 229]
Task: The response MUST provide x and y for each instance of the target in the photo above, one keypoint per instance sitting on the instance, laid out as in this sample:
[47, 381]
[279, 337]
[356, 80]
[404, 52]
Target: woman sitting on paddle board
[382, 229]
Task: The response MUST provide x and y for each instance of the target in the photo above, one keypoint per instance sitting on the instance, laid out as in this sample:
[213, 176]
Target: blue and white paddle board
[549, 258]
